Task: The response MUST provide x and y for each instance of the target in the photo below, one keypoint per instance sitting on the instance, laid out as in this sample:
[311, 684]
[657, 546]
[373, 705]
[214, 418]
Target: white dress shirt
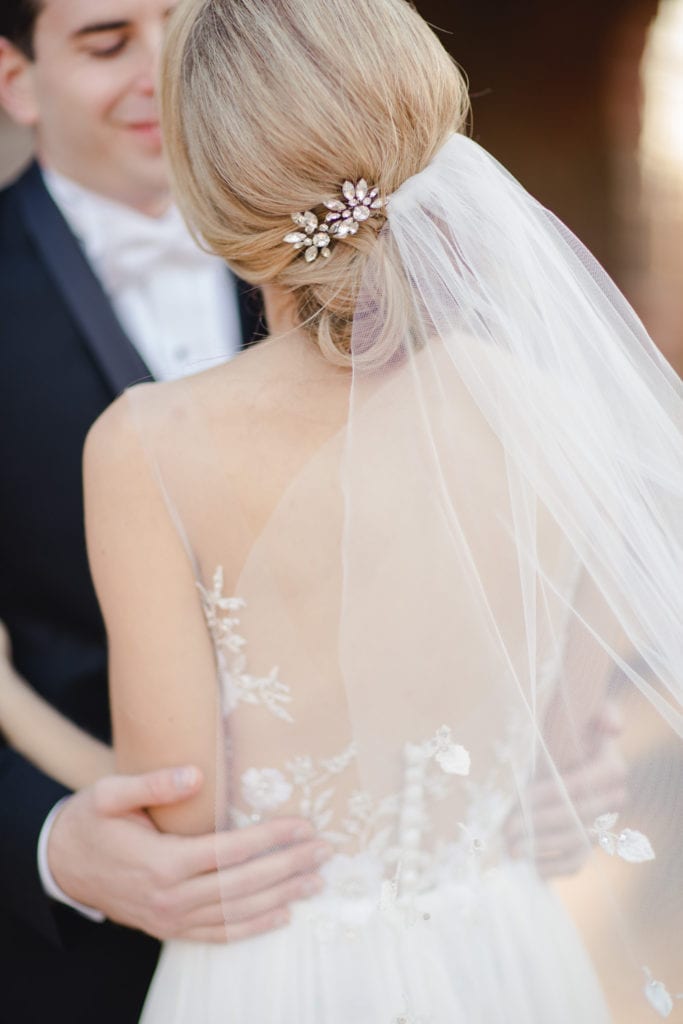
[175, 302]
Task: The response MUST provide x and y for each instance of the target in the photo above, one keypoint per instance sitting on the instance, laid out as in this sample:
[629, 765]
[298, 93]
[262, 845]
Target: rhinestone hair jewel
[357, 204]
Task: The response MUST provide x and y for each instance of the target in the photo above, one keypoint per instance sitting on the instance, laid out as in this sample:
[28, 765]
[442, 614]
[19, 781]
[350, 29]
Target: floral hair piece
[357, 204]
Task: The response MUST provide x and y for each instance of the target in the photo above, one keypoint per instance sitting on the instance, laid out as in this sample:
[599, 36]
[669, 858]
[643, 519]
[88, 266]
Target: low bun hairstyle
[268, 105]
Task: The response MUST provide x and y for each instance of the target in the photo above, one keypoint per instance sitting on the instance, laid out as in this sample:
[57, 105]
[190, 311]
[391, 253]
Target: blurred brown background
[583, 101]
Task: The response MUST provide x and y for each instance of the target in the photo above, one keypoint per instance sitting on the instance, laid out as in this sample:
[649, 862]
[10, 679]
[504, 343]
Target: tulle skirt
[499, 951]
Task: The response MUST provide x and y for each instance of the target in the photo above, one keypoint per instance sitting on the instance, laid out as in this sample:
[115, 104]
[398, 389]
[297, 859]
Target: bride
[382, 569]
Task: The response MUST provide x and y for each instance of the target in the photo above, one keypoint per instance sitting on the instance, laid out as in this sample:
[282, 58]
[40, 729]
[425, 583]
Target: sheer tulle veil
[512, 552]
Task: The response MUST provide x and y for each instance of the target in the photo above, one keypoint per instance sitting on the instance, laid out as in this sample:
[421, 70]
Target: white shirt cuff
[49, 885]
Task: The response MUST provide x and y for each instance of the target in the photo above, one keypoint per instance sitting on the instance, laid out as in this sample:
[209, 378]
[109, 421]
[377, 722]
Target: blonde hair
[268, 105]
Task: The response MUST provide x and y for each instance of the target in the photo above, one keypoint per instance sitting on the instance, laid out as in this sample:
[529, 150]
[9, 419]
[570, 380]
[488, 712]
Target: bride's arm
[45, 737]
[162, 674]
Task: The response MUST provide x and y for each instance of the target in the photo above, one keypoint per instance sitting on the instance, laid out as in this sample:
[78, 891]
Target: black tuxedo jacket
[63, 358]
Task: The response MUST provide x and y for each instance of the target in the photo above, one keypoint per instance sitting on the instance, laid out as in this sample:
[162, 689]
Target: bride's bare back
[181, 480]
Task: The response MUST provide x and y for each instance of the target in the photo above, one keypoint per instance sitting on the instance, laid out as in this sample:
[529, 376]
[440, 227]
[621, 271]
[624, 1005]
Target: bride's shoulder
[278, 388]
[261, 390]
[114, 462]
[115, 434]
[155, 407]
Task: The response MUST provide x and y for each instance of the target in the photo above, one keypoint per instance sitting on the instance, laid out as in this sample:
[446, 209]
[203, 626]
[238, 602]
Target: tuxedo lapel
[115, 355]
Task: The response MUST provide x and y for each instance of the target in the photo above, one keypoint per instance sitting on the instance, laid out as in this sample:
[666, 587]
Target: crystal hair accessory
[358, 203]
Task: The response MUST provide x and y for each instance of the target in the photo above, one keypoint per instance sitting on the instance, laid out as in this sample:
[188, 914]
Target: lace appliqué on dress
[657, 995]
[310, 783]
[238, 685]
[390, 833]
[630, 845]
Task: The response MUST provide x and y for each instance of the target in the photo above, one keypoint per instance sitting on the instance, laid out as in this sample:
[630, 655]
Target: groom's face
[90, 94]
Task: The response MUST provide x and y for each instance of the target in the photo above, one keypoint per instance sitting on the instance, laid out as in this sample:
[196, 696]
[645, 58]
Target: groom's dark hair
[17, 22]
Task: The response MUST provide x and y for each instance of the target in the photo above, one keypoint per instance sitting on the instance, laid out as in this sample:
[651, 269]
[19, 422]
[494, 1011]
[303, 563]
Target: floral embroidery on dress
[630, 845]
[389, 829]
[239, 687]
[657, 995]
[265, 789]
[451, 757]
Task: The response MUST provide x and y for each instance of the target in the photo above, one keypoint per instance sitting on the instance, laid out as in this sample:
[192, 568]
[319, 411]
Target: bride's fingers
[219, 934]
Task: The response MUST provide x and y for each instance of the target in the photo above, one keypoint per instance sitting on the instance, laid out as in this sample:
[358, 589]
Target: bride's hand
[557, 842]
[105, 852]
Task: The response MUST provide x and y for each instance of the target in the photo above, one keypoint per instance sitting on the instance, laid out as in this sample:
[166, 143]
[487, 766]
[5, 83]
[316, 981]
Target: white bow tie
[124, 245]
[132, 246]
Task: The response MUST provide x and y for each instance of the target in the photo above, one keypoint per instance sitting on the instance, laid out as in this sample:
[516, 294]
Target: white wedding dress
[471, 955]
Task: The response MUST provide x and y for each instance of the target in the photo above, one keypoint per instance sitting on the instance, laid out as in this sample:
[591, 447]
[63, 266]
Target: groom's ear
[17, 89]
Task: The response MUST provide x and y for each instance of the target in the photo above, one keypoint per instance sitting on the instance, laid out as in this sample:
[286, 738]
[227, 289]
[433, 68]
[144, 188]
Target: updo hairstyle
[269, 105]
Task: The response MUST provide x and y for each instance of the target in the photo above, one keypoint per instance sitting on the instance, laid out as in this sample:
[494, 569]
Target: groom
[100, 287]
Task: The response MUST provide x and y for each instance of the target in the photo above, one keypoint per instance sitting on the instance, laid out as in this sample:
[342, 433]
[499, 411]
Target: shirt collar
[122, 243]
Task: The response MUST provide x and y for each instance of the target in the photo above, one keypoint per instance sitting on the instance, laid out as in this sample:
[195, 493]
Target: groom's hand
[105, 852]
[555, 835]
